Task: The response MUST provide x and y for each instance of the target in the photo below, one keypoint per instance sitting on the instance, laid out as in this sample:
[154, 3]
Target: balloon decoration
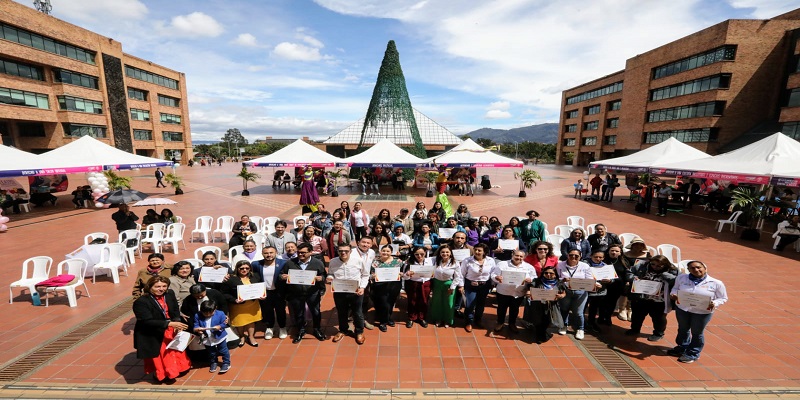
[4, 220]
[3, 228]
[99, 184]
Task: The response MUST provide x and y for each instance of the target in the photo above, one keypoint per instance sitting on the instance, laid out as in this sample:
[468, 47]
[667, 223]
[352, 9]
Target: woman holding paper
[385, 289]
[690, 312]
[476, 285]
[541, 256]
[243, 313]
[542, 312]
[418, 287]
[575, 300]
[446, 276]
[605, 275]
[650, 281]
[506, 244]
[510, 290]
[158, 320]
[210, 261]
[615, 301]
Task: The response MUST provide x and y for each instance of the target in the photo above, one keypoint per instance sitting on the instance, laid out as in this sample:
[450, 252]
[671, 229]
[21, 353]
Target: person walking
[159, 176]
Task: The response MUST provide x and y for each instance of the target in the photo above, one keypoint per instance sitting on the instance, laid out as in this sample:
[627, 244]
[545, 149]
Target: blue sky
[290, 68]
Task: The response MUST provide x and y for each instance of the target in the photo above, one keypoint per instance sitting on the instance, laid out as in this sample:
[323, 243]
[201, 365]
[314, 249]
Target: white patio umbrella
[155, 202]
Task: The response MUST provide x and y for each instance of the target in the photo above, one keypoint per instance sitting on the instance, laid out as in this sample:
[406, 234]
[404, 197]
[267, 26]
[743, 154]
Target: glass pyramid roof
[396, 131]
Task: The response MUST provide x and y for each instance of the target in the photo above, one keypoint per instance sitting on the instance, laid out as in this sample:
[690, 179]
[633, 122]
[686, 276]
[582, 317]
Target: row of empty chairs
[37, 269]
[204, 227]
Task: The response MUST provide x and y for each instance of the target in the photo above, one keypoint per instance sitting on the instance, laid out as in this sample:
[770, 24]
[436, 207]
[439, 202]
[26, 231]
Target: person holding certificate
[506, 244]
[575, 299]
[402, 241]
[426, 239]
[300, 293]
[349, 270]
[385, 272]
[576, 240]
[453, 227]
[513, 279]
[691, 293]
[210, 261]
[446, 276]
[605, 275]
[418, 286]
[544, 309]
[243, 313]
[615, 302]
[541, 256]
[268, 270]
[650, 281]
[475, 286]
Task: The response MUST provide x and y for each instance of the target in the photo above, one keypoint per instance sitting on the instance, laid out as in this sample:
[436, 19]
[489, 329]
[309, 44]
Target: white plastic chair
[652, 251]
[153, 236]
[626, 238]
[76, 267]
[95, 235]
[731, 221]
[202, 226]
[178, 219]
[683, 266]
[233, 251]
[111, 258]
[34, 270]
[545, 227]
[196, 262]
[198, 254]
[555, 240]
[563, 230]
[269, 225]
[224, 228]
[575, 220]
[672, 252]
[299, 217]
[258, 221]
[174, 236]
[260, 239]
[124, 236]
[590, 229]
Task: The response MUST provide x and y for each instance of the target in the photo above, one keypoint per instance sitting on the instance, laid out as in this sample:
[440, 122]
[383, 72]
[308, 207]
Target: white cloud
[312, 41]
[497, 114]
[196, 24]
[246, 40]
[297, 52]
[93, 10]
[500, 105]
[763, 9]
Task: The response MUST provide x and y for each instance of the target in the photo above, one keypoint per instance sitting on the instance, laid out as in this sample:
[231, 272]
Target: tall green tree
[234, 138]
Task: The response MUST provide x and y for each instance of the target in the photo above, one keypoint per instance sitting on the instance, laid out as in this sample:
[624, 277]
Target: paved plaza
[753, 348]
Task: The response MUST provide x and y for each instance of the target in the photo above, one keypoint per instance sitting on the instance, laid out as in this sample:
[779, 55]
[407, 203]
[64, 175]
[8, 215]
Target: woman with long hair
[243, 313]
[476, 285]
[542, 313]
[384, 217]
[344, 207]
[541, 256]
[359, 221]
[384, 294]
[439, 210]
[657, 269]
[380, 237]
[446, 276]
[426, 239]
[418, 288]
[309, 198]
[318, 245]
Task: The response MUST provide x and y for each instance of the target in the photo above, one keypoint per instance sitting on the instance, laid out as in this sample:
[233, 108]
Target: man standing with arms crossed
[349, 268]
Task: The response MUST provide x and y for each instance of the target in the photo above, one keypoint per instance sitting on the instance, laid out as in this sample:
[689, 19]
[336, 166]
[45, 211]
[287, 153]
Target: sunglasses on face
[574, 256]
[542, 249]
[303, 252]
[244, 269]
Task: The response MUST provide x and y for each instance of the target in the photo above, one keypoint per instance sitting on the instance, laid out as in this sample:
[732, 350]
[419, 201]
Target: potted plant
[117, 182]
[430, 177]
[335, 175]
[175, 181]
[749, 202]
[247, 176]
[527, 180]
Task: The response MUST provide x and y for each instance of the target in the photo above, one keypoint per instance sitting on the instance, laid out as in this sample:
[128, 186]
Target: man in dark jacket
[159, 176]
[269, 270]
[601, 239]
[298, 295]
[197, 294]
[124, 218]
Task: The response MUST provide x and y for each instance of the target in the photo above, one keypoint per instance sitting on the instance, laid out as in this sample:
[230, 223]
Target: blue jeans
[220, 349]
[574, 301]
[690, 331]
[475, 297]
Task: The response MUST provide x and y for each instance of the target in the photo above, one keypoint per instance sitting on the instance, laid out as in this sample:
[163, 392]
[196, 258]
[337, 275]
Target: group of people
[12, 199]
[367, 262]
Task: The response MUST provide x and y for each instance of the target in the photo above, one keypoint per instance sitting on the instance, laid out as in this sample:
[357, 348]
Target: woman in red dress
[158, 320]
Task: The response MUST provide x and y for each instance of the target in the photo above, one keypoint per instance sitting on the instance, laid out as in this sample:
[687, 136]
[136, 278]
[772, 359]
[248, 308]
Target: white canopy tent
[15, 162]
[384, 154]
[297, 154]
[470, 154]
[669, 151]
[88, 154]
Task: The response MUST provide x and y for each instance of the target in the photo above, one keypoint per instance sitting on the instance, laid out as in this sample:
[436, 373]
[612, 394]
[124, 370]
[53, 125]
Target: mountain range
[541, 133]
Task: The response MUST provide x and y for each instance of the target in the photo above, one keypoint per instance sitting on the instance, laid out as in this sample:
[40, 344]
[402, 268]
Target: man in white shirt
[274, 306]
[348, 268]
[510, 296]
[366, 255]
[280, 237]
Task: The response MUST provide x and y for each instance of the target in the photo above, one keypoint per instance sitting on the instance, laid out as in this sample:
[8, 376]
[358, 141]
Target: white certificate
[642, 286]
[252, 291]
[582, 284]
[423, 271]
[181, 341]
[301, 277]
[542, 294]
[211, 274]
[447, 233]
[344, 285]
[694, 300]
[387, 274]
[508, 244]
[513, 277]
[395, 248]
[606, 272]
[461, 254]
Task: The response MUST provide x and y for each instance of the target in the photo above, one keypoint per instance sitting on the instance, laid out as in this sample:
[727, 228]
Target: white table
[91, 253]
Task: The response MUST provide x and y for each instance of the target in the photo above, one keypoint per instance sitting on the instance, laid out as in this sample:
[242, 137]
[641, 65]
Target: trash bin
[485, 182]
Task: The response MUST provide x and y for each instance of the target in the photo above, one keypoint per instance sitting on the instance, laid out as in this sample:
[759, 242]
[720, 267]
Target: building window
[595, 109]
[591, 126]
[19, 98]
[571, 114]
[137, 94]
[614, 105]
[707, 109]
[794, 98]
[696, 61]
[75, 78]
[172, 136]
[146, 76]
[168, 101]
[21, 69]
[612, 123]
[142, 134]
[590, 141]
[40, 42]
[170, 119]
[31, 129]
[684, 135]
[140, 115]
[611, 139]
[791, 129]
[721, 81]
[79, 130]
[70, 103]
[612, 88]
[569, 142]
[571, 128]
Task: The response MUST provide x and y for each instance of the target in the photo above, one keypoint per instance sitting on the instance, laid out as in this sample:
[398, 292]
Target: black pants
[641, 309]
[272, 308]
[159, 182]
[359, 231]
[786, 240]
[298, 306]
[384, 295]
[508, 304]
[610, 300]
[347, 303]
[594, 306]
[662, 205]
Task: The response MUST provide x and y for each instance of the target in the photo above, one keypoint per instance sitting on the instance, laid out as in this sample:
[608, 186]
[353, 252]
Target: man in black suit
[269, 270]
[197, 294]
[298, 296]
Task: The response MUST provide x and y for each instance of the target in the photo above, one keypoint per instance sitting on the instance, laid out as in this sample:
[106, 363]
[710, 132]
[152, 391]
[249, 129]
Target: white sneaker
[579, 334]
[268, 334]
[282, 333]
[562, 332]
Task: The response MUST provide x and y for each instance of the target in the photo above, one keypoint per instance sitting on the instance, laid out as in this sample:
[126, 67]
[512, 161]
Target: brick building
[59, 82]
[718, 89]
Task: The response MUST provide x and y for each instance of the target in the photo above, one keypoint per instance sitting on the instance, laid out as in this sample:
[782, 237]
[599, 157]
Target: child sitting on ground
[578, 189]
[209, 323]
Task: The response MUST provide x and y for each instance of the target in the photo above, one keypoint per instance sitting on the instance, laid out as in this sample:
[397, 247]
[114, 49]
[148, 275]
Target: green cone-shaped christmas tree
[390, 114]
